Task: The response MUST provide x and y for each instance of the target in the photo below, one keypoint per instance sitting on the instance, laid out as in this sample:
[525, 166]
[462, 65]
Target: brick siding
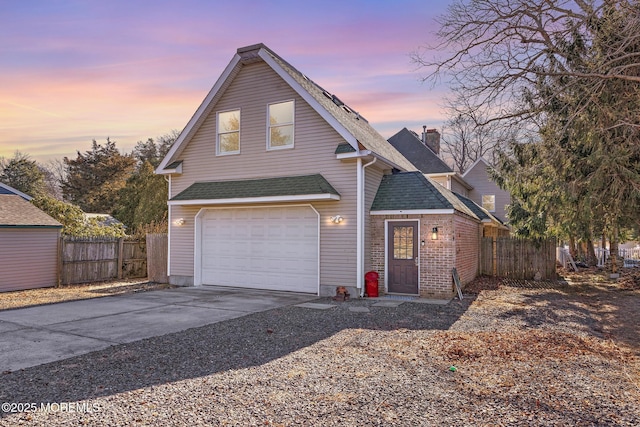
[457, 245]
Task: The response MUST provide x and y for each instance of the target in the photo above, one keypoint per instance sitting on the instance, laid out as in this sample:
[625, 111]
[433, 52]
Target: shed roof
[17, 212]
[7, 189]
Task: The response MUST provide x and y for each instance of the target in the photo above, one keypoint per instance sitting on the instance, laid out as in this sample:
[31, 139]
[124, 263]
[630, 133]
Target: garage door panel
[267, 248]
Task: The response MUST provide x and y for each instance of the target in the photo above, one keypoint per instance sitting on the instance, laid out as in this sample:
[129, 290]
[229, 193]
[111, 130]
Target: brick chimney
[431, 138]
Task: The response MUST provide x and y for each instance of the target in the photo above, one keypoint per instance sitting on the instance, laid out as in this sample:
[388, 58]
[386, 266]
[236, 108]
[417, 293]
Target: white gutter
[360, 178]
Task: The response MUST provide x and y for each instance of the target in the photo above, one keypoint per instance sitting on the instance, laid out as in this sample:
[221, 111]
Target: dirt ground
[31, 297]
[610, 308]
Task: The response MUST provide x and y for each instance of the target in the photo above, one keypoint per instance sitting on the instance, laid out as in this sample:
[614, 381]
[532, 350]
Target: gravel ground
[510, 353]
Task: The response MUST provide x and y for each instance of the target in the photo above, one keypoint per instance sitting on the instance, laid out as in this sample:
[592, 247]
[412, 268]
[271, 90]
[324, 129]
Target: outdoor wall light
[434, 233]
[336, 219]
[179, 222]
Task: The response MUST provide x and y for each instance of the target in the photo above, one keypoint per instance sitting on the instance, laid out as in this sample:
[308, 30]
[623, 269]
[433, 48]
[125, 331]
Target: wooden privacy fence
[157, 253]
[518, 258]
[83, 260]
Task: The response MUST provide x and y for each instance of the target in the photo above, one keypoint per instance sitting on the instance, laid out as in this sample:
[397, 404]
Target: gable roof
[308, 187]
[412, 191]
[17, 212]
[7, 189]
[474, 164]
[354, 128]
[409, 144]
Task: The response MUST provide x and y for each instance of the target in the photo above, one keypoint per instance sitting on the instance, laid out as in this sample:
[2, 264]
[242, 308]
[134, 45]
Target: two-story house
[275, 183]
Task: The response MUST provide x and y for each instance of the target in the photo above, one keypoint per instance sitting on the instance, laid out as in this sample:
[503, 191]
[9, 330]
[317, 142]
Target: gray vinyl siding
[478, 177]
[252, 89]
[457, 187]
[181, 245]
[29, 258]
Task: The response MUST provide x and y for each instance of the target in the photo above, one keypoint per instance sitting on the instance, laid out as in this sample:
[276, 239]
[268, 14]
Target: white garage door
[266, 248]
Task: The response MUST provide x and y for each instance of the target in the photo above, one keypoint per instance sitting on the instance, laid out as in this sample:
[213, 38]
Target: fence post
[120, 256]
[494, 253]
[60, 263]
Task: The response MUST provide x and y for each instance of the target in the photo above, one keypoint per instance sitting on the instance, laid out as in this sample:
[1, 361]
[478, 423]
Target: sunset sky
[76, 70]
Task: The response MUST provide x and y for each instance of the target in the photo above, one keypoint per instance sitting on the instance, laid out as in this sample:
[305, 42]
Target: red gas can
[371, 284]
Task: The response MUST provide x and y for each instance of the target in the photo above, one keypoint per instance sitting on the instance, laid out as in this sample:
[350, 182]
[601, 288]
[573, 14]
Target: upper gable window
[228, 132]
[489, 202]
[280, 126]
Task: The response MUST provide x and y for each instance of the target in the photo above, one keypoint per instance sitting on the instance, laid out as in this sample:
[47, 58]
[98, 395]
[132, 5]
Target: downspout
[168, 225]
[360, 223]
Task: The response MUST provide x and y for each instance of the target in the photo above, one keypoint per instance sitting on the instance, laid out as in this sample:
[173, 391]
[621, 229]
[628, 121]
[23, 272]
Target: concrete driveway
[36, 335]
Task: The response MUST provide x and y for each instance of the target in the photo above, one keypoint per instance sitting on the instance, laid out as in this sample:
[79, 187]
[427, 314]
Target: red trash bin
[371, 283]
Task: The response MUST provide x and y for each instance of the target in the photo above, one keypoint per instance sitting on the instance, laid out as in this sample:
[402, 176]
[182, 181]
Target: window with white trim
[228, 141]
[489, 202]
[280, 125]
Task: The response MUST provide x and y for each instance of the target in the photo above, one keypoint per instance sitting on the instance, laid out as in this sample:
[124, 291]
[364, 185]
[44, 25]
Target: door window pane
[402, 242]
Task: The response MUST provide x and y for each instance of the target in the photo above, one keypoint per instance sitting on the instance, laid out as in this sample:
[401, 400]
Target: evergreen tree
[73, 220]
[94, 179]
[581, 180]
[23, 174]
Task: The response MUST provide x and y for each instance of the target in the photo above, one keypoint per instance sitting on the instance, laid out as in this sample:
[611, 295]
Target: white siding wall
[29, 258]
[255, 86]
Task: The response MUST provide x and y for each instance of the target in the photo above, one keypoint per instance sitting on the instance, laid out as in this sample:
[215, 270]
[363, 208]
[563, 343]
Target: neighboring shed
[7, 189]
[28, 245]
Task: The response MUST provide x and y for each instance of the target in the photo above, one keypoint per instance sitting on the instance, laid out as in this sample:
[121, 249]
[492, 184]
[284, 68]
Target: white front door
[265, 248]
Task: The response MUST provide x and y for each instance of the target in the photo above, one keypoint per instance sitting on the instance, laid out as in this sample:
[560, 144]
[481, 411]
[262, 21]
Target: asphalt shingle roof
[408, 143]
[414, 191]
[266, 187]
[344, 148]
[17, 212]
[478, 210]
[352, 121]
[174, 165]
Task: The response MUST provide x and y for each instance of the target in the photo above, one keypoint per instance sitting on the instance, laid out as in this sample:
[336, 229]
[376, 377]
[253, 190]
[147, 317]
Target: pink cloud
[74, 72]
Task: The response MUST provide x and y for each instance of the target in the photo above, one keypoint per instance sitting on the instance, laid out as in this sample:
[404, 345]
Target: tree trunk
[572, 247]
[592, 260]
[613, 250]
